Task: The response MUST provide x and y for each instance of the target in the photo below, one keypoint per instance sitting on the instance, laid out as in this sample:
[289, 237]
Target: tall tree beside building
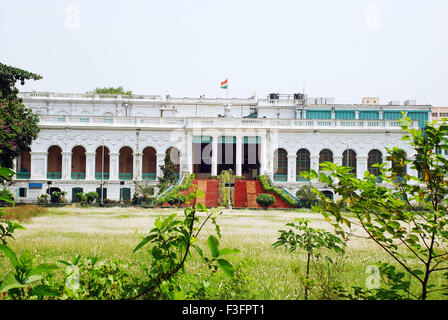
[18, 124]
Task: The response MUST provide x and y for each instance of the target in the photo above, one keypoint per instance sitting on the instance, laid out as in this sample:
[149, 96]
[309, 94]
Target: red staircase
[240, 195]
[210, 189]
[246, 193]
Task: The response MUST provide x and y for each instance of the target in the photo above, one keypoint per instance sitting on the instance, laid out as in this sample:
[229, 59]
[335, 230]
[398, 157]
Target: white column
[90, 166]
[160, 158]
[66, 165]
[292, 168]
[337, 160]
[39, 165]
[361, 166]
[114, 166]
[214, 155]
[263, 158]
[189, 156]
[314, 165]
[239, 155]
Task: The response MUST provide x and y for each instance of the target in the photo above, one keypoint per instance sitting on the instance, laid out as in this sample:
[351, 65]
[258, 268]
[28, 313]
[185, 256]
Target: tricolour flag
[224, 84]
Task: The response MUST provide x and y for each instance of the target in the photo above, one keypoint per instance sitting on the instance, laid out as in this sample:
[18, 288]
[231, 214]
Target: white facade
[138, 122]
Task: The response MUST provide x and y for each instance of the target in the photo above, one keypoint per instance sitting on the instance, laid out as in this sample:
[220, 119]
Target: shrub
[306, 194]
[266, 185]
[58, 196]
[265, 200]
[43, 198]
[87, 198]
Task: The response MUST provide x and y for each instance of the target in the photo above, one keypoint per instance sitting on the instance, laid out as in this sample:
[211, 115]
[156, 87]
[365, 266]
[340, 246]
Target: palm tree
[307, 194]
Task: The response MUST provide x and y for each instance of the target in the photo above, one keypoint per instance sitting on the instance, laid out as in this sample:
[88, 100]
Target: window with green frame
[374, 157]
[281, 160]
[325, 155]
[349, 159]
[303, 163]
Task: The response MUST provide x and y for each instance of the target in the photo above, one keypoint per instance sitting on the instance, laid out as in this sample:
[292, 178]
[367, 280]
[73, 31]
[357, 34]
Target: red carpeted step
[212, 194]
[240, 197]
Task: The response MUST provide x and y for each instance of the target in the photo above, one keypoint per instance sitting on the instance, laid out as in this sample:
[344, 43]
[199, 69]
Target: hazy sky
[346, 49]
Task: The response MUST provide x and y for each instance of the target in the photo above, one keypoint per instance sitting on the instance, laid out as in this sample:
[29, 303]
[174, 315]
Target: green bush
[266, 185]
[265, 200]
[43, 198]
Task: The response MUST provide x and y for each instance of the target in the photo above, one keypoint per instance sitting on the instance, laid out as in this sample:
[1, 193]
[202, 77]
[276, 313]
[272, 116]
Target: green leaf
[201, 207]
[226, 267]
[41, 269]
[142, 243]
[213, 244]
[10, 282]
[44, 291]
[200, 194]
[10, 254]
[228, 251]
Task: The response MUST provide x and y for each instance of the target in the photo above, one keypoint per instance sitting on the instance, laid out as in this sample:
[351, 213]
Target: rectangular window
[84, 120]
[22, 192]
[443, 114]
[61, 119]
[434, 114]
[107, 120]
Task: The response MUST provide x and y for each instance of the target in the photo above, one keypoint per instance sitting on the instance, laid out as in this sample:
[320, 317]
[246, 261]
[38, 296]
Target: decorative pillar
[90, 165]
[214, 155]
[361, 166]
[66, 165]
[239, 155]
[337, 160]
[292, 168]
[189, 156]
[114, 166]
[160, 158]
[263, 153]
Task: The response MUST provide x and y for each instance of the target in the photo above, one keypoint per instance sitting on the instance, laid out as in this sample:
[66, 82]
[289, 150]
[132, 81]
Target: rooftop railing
[151, 122]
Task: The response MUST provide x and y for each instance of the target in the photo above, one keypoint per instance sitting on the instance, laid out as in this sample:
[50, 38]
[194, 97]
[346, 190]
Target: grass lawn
[110, 233]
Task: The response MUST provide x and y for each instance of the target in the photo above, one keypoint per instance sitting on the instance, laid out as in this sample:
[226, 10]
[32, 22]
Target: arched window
[398, 158]
[54, 163]
[374, 157]
[303, 163]
[174, 155]
[349, 159]
[126, 164]
[78, 163]
[24, 165]
[325, 156]
[102, 163]
[281, 165]
[149, 165]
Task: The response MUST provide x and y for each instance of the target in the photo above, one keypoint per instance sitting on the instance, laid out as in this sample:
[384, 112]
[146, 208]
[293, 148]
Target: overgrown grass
[265, 272]
[23, 213]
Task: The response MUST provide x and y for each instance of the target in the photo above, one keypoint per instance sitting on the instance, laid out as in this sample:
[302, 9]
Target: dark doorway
[75, 197]
[226, 153]
[251, 157]
[202, 156]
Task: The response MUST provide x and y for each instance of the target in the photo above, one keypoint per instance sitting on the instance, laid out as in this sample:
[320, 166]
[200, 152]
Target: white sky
[346, 49]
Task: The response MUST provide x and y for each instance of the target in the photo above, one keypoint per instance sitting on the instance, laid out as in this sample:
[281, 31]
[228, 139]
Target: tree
[301, 236]
[168, 170]
[110, 90]
[415, 237]
[307, 194]
[19, 125]
[8, 78]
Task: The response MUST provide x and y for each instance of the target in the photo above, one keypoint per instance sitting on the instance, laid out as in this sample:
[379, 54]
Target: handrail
[172, 186]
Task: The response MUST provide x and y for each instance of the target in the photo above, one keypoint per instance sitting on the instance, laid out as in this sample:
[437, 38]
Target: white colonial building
[89, 139]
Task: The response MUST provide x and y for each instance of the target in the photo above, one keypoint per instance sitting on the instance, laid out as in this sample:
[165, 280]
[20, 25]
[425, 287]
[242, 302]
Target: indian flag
[224, 84]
